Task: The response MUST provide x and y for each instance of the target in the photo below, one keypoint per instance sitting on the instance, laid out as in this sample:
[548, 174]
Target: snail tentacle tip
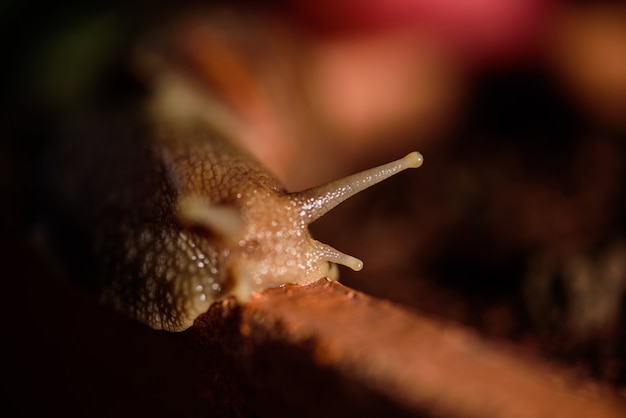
[414, 160]
[357, 265]
[335, 256]
[347, 260]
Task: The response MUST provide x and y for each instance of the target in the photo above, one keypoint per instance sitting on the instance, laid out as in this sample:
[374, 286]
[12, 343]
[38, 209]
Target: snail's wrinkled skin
[175, 216]
[212, 223]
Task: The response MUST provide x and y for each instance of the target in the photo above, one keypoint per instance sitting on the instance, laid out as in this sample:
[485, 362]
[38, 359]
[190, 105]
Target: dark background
[520, 201]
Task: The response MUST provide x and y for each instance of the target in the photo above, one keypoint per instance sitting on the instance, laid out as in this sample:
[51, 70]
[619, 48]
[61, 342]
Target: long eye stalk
[318, 201]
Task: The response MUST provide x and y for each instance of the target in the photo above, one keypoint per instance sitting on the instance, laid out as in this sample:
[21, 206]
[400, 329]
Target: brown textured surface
[325, 350]
[320, 350]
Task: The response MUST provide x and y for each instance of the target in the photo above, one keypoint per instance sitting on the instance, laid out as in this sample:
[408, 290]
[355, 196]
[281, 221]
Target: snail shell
[178, 217]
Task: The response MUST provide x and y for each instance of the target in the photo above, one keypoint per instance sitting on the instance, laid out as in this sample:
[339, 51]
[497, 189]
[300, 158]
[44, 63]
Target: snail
[178, 216]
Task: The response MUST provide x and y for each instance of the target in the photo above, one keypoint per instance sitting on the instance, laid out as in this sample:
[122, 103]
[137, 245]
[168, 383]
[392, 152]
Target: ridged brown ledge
[326, 350]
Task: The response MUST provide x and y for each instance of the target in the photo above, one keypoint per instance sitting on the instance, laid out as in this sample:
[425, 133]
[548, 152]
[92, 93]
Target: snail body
[179, 217]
